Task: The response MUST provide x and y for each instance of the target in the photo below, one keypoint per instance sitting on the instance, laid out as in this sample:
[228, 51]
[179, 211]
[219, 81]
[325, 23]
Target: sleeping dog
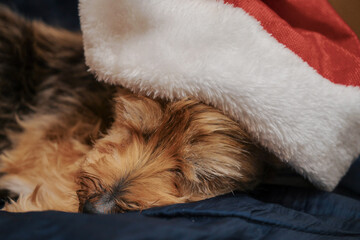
[70, 143]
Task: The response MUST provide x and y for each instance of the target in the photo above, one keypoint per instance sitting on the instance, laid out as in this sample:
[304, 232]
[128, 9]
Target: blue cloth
[271, 213]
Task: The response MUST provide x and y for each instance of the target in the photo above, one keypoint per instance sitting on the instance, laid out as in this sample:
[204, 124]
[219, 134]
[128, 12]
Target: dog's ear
[209, 171]
[217, 156]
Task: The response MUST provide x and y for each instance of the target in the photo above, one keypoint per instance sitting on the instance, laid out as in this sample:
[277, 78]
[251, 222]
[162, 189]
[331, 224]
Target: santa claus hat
[288, 70]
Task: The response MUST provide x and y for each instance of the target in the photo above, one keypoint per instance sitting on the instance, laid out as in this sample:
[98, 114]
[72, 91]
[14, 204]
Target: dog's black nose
[89, 208]
[103, 205]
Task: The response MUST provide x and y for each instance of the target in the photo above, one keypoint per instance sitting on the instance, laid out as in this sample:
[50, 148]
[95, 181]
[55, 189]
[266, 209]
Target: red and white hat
[288, 70]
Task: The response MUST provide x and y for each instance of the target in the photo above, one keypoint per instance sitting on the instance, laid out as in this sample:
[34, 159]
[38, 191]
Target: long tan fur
[78, 145]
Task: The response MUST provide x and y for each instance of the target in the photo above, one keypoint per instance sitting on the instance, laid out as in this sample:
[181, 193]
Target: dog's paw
[6, 196]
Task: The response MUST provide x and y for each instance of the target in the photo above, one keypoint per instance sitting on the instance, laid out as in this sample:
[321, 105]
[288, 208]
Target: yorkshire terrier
[70, 143]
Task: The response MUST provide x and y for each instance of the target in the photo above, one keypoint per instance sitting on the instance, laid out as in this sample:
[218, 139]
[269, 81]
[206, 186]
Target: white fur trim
[222, 56]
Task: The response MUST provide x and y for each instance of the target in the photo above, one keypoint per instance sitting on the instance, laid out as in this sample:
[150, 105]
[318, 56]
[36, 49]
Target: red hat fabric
[313, 31]
[288, 70]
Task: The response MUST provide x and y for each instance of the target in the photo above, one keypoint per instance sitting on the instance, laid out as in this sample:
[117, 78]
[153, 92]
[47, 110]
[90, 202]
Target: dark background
[60, 13]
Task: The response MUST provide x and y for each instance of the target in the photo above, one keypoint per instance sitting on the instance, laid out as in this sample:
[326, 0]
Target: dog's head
[159, 153]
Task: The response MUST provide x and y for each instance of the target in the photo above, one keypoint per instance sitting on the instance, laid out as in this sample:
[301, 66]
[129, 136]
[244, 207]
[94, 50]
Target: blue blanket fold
[275, 212]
